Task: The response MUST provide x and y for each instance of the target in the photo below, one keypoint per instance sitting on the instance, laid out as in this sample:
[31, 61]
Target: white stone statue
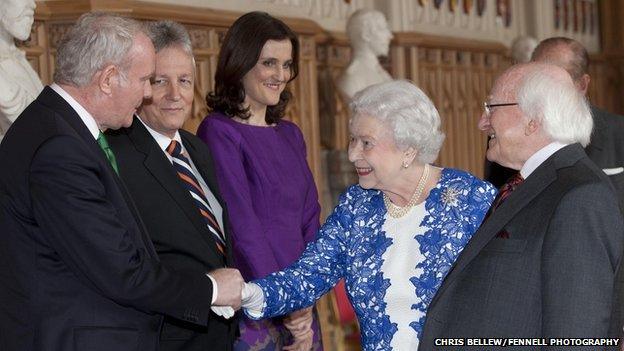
[370, 38]
[19, 84]
[521, 49]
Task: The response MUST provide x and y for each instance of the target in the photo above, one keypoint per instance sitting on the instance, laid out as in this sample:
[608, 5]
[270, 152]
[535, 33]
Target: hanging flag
[468, 6]
[481, 4]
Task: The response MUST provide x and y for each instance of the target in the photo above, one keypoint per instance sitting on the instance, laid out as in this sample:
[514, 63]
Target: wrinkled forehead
[505, 87]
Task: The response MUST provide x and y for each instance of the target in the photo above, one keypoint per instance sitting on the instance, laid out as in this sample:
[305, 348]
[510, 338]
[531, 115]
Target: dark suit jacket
[178, 232]
[553, 276]
[606, 150]
[607, 146]
[77, 269]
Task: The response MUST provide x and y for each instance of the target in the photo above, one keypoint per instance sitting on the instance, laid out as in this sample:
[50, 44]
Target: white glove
[226, 312]
[252, 300]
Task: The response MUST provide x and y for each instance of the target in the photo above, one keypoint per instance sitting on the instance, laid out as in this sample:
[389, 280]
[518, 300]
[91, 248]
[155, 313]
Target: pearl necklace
[397, 211]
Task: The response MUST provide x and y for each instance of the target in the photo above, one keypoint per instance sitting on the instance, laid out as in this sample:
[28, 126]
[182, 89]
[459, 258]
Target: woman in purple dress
[265, 180]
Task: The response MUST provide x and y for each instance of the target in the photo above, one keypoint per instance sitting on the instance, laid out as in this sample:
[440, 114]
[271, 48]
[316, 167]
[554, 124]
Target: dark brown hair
[239, 53]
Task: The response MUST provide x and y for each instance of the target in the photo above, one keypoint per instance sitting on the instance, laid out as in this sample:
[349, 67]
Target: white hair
[409, 113]
[96, 40]
[553, 100]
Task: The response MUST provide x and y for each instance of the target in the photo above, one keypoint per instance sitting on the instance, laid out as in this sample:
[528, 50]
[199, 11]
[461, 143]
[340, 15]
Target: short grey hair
[166, 34]
[96, 40]
[551, 98]
[409, 113]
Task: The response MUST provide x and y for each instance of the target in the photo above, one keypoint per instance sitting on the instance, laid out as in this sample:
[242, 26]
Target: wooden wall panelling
[333, 55]
[206, 26]
[609, 72]
[456, 75]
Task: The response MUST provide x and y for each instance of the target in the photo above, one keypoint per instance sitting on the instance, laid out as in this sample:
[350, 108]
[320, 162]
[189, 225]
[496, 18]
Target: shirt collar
[162, 140]
[539, 157]
[84, 115]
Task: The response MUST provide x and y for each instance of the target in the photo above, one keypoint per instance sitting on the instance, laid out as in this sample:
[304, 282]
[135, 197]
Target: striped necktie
[182, 166]
[110, 156]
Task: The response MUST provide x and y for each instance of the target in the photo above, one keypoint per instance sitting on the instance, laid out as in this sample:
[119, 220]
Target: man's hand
[229, 284]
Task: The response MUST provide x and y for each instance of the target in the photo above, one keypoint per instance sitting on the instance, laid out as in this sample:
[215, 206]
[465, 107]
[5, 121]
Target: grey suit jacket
[553, 276]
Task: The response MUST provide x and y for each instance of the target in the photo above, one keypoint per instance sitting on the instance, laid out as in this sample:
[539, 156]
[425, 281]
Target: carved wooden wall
[457, 76]
[207, 28]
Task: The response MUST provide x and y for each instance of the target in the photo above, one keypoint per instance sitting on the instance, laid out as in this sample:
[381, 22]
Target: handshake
[232, 293]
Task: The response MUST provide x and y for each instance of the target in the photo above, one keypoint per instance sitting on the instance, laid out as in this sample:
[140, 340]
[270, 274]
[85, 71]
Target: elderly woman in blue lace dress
[395, 235]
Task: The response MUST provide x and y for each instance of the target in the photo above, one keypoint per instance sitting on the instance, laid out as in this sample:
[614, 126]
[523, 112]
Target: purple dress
[272, 206]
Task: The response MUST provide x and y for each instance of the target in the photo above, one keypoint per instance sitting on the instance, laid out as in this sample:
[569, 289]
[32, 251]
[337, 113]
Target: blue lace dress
[354, 244]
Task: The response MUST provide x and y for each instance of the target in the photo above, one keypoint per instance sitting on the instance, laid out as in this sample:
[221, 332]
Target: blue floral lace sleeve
[317, 270]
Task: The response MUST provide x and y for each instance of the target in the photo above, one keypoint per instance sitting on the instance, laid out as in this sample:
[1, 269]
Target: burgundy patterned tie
[506, 190]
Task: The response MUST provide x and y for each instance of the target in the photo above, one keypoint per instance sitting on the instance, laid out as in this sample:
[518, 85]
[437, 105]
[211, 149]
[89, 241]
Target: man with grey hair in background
[77, 268]
[606, 148]
[543, 263]
[183, 222]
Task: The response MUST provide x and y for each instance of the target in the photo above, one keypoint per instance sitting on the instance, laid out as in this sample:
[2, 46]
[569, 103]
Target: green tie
[107, 151]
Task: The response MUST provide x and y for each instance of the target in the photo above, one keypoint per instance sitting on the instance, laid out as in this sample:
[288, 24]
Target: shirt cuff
[215, 289]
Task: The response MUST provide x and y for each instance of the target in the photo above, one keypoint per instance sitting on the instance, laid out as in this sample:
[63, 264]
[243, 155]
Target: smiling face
[505, 125]
[172, 92]
[264, 83]
[374, 154]
[18, 17]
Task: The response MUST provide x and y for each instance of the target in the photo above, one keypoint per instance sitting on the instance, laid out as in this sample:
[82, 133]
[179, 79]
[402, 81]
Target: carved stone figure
[19, 84]
[522, 48]
[370, 38]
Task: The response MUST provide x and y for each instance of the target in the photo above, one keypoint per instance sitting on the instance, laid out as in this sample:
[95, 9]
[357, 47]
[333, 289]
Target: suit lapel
[518, 200]
[535, 184]
[203, 162]
[52, 99]
[160, 167]
[205, 165]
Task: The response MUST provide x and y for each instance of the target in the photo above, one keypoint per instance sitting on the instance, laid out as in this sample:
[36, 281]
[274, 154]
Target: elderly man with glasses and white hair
[543, 263]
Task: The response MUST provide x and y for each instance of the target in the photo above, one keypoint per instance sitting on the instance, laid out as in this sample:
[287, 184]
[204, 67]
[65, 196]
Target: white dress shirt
[163, 141]
[84, 115]
[539, 157]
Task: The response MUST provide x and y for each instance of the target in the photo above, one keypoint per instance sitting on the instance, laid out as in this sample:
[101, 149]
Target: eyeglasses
[488, 107]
